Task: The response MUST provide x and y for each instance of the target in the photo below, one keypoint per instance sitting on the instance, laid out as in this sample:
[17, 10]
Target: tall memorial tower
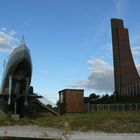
[126, 77]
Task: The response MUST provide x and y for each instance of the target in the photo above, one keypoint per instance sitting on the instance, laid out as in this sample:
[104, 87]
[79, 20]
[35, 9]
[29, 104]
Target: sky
[69, 40]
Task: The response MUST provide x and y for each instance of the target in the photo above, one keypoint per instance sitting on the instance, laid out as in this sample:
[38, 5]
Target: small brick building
[71, 101]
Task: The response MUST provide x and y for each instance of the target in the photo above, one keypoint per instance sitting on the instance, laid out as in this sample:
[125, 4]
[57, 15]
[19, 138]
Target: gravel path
[42, 132]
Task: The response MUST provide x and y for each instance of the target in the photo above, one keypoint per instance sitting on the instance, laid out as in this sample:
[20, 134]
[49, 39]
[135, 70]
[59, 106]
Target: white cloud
[135, 50]
[12, 33]
[108, 47]
[7, 40]
[98, 65]
[100, 77]
[80, 84]
[6, 36]
[3, 29]
[4, 42]
[138, 67]
[5, 50]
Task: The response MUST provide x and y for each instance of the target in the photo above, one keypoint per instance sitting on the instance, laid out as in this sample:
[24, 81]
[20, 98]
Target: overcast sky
[69, 40]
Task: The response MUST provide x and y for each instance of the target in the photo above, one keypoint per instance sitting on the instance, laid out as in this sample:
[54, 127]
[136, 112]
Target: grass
[106, 121]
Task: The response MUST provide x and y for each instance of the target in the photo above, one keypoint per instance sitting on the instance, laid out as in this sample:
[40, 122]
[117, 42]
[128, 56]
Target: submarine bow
[17, 78]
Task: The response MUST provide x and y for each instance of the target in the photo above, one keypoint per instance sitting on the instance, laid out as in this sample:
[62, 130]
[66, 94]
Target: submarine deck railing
[44, 102]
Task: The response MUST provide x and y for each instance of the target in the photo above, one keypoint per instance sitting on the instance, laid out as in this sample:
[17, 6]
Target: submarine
[15, 86]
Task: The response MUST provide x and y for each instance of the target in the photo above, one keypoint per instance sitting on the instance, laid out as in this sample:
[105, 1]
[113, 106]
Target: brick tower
[126, 77]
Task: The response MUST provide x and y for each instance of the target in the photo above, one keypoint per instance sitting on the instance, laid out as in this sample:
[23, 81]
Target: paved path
[42, 132]
[29, 131]
[102, 136]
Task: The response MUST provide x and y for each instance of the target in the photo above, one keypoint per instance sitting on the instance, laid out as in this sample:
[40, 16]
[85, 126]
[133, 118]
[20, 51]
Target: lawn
[106, 121]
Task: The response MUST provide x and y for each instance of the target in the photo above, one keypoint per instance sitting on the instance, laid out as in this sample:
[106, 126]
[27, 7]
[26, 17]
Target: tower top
[117, 23]
[22, 40]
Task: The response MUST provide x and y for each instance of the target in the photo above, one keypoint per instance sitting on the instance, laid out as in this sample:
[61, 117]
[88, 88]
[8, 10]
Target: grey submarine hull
[16, 79]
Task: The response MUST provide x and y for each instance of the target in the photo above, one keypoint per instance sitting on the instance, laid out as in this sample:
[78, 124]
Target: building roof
[71, 90]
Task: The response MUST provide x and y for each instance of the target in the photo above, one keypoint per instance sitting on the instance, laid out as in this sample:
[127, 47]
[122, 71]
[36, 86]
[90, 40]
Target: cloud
[3, 29]
[135, 50]
[80, 84]
[12, 33]
[7, 40]
[100, 76]
[98, 64]
[138, 67]
[6, 36]
[108, 47]
[7, 50]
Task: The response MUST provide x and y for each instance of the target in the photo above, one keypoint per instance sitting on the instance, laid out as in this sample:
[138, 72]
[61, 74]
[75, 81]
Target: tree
[86, 99]
[93, 97]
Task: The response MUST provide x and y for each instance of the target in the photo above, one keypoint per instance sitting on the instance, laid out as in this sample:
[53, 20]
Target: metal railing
[47, 104]
[46, 101]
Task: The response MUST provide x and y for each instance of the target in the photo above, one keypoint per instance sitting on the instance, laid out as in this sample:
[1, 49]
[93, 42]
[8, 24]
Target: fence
[114, 107]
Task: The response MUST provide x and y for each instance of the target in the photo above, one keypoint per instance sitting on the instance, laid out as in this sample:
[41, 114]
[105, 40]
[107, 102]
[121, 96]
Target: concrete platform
[50, 133]
[15, 116]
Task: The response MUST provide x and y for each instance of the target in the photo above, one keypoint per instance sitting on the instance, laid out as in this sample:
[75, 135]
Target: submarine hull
[16, 79]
